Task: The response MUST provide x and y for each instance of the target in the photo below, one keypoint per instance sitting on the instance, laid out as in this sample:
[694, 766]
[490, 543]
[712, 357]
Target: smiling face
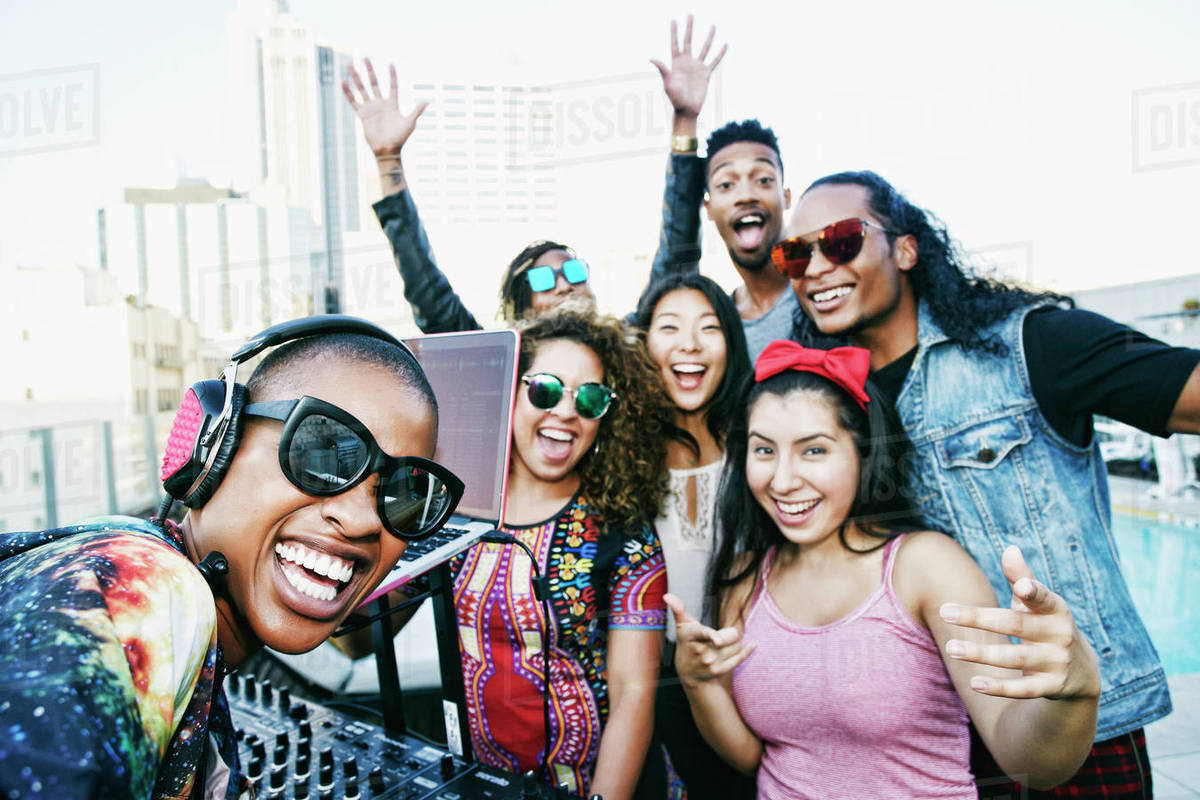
[746, 200]
[686, 342]
[802, 466]
[299, 564]
[548, 443]
[540, 302]
[869, 293]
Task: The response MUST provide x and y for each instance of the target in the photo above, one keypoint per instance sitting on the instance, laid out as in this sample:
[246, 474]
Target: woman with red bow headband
[854, 648]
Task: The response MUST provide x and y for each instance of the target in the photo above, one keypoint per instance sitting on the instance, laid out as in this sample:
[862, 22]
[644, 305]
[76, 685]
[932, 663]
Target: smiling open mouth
[831, 294]
[689, 376]
[313, 573]
[750, 230]
[796, 508]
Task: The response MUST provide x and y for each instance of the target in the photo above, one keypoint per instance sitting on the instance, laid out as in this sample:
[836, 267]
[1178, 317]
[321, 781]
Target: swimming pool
[1162, 567]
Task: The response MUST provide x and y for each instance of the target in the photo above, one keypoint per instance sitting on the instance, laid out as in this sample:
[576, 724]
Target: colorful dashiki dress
[599, 581]
[109, 683]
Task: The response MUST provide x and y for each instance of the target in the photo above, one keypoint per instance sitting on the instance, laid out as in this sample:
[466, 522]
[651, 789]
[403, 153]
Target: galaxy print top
[109, 683]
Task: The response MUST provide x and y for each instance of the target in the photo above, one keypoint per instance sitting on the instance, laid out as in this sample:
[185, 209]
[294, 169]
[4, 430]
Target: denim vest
[991, 471]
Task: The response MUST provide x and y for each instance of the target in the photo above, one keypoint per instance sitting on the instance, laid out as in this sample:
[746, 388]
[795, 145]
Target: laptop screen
[473, 377]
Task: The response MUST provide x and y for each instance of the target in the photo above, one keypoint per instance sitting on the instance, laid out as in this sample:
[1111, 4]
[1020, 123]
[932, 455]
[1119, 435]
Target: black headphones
[208, 425]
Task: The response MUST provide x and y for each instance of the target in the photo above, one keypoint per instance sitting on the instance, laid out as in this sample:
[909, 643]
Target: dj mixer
[294, 749]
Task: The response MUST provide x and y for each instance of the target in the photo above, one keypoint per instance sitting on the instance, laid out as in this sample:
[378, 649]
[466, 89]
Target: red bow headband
[845, 366]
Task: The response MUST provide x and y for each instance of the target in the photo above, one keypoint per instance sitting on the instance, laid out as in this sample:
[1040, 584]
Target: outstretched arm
[1033, 703]
[435, 305]
[685, 82]
[704, 659]
[1186, 416]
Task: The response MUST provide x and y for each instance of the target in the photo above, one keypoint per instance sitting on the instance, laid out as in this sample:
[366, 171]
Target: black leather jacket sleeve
[679, 237]
[436, 307]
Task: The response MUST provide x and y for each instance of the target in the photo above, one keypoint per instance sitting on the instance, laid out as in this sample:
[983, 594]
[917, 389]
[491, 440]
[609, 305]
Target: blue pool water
[1162, 567]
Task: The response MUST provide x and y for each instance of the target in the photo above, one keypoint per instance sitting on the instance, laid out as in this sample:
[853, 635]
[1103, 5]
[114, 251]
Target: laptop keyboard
[426, 546]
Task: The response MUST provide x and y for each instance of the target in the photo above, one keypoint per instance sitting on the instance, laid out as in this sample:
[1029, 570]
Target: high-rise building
[292, 130]
[232, 265]
[474, 158]
[91, 397]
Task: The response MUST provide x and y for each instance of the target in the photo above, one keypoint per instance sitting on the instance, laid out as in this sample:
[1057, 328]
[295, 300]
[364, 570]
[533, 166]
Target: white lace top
[687, 546]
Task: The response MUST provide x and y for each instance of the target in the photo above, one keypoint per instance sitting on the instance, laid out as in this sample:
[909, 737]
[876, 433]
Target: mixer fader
[294, 749]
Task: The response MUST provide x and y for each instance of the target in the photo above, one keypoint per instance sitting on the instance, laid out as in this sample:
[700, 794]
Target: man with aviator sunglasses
[996, 387]
[540, 277]
[126, 627]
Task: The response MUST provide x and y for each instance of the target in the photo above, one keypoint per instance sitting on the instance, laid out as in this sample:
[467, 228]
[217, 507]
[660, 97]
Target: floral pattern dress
[109, 680]
[599, 580]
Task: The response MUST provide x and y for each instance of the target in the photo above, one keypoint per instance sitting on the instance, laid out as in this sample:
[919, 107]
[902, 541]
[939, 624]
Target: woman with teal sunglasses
[540, 277]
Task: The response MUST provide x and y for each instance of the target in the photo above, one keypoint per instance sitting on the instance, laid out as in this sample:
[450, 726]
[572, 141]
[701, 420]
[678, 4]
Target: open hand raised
[686, 81]
[384, 126]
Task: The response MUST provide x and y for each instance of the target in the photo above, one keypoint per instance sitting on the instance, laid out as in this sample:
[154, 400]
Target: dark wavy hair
[515, 295]
[750, 130]
[719, 410]
[626, 480]
[962, 302]
[881, 507]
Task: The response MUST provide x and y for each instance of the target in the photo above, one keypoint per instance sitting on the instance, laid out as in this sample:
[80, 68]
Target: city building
[91, 397]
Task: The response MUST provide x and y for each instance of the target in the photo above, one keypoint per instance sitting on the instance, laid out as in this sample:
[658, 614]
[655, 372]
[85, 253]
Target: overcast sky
[1021, 123]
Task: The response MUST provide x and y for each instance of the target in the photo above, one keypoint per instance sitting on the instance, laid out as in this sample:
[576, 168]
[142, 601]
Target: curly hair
[515, 295]
[750, 130]
[963, 303]
[624, 481]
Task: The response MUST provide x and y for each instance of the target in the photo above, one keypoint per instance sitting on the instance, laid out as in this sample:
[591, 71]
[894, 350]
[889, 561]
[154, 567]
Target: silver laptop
[474, 377]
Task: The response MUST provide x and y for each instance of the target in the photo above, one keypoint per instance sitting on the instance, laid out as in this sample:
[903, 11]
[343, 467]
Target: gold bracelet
[684, 145]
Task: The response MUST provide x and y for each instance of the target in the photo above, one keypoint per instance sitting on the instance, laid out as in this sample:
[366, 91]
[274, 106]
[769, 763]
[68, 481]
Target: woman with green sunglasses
[539, 278]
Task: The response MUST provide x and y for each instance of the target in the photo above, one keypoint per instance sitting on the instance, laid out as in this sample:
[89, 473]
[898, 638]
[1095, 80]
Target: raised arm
[1033, 703]
[685, 82]
[436, 307]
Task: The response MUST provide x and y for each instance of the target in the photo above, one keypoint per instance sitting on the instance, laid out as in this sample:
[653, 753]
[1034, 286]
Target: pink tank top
[859, 708]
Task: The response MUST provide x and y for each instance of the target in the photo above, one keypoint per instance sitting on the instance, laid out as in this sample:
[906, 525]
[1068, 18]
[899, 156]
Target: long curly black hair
[626, 480]
[963, 303]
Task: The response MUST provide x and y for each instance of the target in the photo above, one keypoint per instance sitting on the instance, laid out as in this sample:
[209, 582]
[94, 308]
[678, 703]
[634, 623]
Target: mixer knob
[325, 776]
[299, 711]
[529, 786]
[300, 788]
[306, 729]
[250, 689]
[279, 757]
[255, 770]
[285, 698]
[303, 761]
[447, 767]
[265, 686]
[350, 768]
[258, 750]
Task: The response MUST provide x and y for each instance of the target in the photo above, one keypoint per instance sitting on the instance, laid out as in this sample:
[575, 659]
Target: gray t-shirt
[775, 324]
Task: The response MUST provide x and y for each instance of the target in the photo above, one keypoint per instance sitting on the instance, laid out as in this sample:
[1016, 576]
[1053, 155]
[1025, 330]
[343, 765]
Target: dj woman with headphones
[538, 278]
[119, 631]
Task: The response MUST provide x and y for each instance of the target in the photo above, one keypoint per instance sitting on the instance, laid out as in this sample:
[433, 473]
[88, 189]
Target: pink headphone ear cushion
[182, 441]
